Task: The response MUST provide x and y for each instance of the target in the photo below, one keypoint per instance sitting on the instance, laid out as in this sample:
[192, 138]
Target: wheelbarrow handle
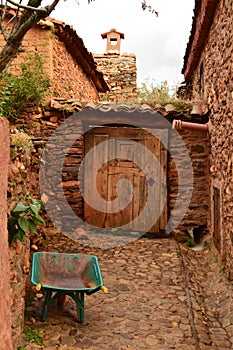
[89, 292]
[103, 288]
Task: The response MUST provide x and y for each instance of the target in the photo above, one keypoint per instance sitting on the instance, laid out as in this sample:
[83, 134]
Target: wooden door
[120, 179]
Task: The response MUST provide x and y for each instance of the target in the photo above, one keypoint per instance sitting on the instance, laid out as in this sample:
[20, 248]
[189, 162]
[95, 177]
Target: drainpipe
[179, 125]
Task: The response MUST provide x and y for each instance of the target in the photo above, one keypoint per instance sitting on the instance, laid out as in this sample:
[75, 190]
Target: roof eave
[204, 12]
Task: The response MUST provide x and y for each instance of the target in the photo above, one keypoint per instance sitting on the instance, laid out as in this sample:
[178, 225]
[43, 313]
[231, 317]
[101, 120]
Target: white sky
[158, 42]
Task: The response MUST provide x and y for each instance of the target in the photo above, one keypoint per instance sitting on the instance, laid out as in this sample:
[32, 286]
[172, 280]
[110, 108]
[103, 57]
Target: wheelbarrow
[61, 274]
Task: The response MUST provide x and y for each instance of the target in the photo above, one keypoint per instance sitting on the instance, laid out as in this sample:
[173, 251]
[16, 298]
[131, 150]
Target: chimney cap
[113, 30]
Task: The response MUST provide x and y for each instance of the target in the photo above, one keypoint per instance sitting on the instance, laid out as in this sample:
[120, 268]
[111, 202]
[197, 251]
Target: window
[113, 41]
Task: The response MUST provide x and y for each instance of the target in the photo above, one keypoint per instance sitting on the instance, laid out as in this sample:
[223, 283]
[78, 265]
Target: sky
[159, 43]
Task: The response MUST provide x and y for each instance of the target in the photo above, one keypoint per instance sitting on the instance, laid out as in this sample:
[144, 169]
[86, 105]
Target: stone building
[73, 75]
[120, 71]
[208, 75]
[71, 68]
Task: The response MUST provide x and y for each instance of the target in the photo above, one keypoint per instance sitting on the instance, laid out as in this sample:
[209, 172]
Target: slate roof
[202, 20]
[187, 112]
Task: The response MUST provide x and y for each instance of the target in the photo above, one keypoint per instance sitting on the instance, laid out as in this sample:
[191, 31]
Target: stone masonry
[120, 73]
[58, 64]
[5, 301]
[212, 78]
[65, 57]
[197, 143]
[19, 252]
[41, 124]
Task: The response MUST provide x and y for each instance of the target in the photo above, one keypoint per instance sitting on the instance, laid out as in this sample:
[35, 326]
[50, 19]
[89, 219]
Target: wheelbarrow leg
[78, 297]
[80, 307]
[46, 304]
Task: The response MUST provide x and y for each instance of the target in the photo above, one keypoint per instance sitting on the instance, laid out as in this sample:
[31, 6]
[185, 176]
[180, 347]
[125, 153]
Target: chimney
[113, 41]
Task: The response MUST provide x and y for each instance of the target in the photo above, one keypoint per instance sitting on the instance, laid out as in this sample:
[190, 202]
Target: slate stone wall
[217, 89]
[120, 73]
[198, 213]
[19, 272]
[197, 143]
[64, 70]
[59, 65]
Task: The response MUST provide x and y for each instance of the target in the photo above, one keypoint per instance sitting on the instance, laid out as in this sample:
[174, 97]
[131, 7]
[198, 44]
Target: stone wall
[5, 301]
[41, 124]
[36, 40]
[198, 213]
[120, 73]
[216, 62]
[59, 65]
[65, 177]
[19, 252]
[64, 70]
[19, 272]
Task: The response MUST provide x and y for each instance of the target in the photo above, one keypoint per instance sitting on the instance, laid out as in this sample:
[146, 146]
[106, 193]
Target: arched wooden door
[123, 156]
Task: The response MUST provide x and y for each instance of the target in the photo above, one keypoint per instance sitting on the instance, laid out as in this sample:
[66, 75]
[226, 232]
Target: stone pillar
[5, 300]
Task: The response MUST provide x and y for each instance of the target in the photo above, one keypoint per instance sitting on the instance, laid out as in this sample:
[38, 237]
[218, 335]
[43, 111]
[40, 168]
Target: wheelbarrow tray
[64, 271]
[66, 274]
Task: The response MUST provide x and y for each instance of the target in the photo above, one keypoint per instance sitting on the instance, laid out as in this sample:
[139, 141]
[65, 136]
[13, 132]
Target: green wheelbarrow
[61, 274]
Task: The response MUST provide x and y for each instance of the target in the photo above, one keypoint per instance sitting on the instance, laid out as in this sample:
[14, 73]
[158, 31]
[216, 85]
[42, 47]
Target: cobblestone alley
[162, 295]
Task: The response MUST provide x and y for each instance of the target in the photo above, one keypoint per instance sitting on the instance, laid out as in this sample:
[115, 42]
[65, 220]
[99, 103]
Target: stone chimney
[119, 70]
[113, 41]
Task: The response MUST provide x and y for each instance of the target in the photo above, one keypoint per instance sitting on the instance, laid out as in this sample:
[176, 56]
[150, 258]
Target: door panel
[128, 180]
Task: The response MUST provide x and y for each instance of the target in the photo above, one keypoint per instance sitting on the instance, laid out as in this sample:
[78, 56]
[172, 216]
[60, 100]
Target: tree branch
[51, 7]
[145, 6]
[41, 9]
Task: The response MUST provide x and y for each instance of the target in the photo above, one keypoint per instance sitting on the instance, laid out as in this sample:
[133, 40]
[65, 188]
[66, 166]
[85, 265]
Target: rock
[32, 319]
[34, 247]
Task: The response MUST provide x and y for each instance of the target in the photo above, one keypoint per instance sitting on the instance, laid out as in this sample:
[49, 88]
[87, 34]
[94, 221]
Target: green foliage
[32, 336]
[20, 138]
[157, 95]
[150, 93]
[190, 242]
[30, 86]
[21, 348]
[24, 217]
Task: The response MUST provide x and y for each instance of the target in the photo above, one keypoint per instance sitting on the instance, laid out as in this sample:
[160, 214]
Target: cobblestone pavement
[162, 295]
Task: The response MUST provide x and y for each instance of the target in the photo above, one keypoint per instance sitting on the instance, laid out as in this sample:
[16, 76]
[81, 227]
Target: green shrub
[32, 336]
[30, 86]
[24, 217]
[157, 95]
[152, 94]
